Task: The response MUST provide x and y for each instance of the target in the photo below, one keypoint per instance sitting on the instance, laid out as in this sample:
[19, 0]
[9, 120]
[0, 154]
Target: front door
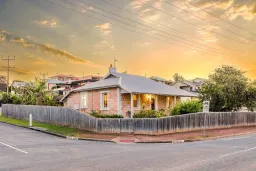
[153, 102]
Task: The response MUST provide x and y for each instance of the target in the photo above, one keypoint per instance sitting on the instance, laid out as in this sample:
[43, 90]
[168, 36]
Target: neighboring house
[63, 77]
[161, 80]
[3, 84]
[52, 83]
[193, 86]
[17, 84]
[124, 94]
[63, 87]
[3, 87]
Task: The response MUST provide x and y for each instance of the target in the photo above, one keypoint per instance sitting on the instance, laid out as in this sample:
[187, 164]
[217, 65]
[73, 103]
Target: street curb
[58, 135]
[139, 142]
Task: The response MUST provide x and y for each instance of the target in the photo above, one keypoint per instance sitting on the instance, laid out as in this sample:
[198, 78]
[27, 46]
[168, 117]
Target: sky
[152, 37]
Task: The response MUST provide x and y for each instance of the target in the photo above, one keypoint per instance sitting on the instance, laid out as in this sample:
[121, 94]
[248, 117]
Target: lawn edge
[58, 135]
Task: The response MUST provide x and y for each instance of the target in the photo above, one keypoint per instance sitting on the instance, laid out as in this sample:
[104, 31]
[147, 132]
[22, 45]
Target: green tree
[226, 89]
[177, 77]
[250, 97]
[35, 93]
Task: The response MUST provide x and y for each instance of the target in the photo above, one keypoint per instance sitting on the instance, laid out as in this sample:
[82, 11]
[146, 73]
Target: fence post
[30, 120]
[204, 124]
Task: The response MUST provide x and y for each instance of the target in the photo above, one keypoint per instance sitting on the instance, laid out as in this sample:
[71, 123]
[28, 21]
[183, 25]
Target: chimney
[112, 69]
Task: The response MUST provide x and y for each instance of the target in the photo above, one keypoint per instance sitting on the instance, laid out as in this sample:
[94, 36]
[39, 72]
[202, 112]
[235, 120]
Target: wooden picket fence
[152, 126]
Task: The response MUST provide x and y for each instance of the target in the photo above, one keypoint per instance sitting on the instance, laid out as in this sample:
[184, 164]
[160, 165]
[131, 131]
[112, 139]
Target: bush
[191, 106]
[100, 115]
[149, 114]
[9, 99]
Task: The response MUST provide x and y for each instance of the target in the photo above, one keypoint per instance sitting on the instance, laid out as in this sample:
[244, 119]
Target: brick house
[124, 94]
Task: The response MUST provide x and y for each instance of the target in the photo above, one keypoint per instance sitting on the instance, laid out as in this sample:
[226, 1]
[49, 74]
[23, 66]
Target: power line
[138, 27]
[150, 27]
[226, 21]
[8, 67]
[112, 24]
[227, 37]
[208, 22]
[163, 25]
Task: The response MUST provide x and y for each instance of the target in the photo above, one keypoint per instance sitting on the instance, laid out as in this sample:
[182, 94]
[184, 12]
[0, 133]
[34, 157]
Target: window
[135, 100]
[104, 100]
[84, 100]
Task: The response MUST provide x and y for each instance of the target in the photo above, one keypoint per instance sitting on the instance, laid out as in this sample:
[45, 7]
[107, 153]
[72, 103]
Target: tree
[34, 93]
[227, 89]
[250, 97]
[177, 77]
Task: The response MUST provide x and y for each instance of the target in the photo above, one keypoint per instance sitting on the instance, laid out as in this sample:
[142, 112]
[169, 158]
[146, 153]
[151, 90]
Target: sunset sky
[156, 37]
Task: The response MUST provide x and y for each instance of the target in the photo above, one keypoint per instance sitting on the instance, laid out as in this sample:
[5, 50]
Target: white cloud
[104, 28]
[46, 23]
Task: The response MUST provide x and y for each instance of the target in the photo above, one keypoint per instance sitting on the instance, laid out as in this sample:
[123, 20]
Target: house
[3, 84]
[63, 77]
[17, 84]
[63, 87]
[193, 86]
[124, 94]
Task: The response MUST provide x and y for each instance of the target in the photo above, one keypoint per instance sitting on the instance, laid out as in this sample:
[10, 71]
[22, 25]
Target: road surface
[26, 150]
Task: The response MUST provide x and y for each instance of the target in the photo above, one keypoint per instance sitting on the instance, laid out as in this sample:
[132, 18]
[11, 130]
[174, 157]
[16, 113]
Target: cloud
[106, 45]
[2, 37]
[223, 4]
[22, 71]
[46, 23]
[245, 11]
[19, 71]
[208, 36]
[46, 48]
[146, 12]
[231, 8]
[104, 28]
[254, 9]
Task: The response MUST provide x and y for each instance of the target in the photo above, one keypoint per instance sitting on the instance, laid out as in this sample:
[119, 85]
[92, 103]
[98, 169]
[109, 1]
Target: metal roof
[136, 84]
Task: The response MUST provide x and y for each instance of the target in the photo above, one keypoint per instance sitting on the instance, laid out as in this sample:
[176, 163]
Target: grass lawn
[51, 128]
[62, 130]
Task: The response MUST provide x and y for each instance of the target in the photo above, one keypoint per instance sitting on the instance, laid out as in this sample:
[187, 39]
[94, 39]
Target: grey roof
[110, 82]
[136, 84]
[19, 84]
[52, 81]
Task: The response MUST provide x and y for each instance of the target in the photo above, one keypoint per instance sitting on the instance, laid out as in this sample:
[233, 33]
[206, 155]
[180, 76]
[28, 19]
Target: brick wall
[93, 101]
[72, 100]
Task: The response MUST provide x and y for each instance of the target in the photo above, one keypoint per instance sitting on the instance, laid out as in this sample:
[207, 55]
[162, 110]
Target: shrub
[149, 114]
[9, 99]
[100, 115]
[191, 106]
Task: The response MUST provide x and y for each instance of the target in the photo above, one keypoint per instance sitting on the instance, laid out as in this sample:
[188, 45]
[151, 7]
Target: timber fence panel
[76, 119]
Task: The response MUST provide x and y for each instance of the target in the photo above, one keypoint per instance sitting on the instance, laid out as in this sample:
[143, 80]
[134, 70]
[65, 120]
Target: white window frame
[102, 100]
[138, 101]
[83, 100]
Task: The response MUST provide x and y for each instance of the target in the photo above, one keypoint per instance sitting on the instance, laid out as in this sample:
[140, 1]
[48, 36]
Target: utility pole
[8, 67]
[43, 75]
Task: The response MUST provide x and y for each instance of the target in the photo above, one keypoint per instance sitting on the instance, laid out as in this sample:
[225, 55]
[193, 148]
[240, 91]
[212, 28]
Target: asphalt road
[27, 150]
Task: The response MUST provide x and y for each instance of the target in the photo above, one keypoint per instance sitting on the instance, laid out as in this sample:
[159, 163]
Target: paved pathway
[26, 150]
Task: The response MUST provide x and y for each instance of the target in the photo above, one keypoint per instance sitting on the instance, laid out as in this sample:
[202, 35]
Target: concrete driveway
[27, 150]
